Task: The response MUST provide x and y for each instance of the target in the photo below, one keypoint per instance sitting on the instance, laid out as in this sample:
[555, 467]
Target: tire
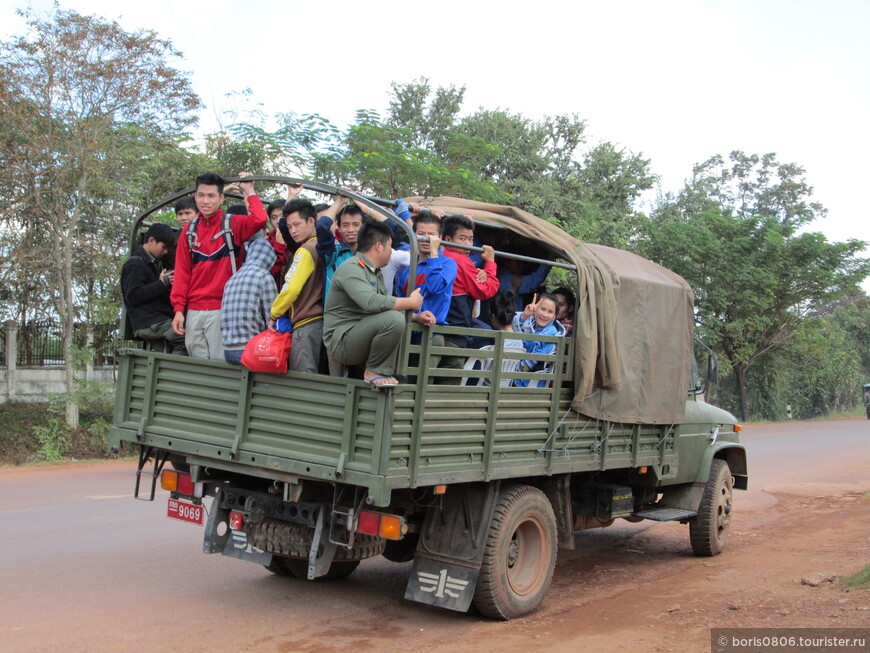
[338, 569]
[278, 566]
[294, 541]
[401, 550]
[708, 532]
[519, 554]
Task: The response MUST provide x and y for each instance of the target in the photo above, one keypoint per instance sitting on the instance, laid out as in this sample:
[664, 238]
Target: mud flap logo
[445, 584]
[441, 584]
[237, 547]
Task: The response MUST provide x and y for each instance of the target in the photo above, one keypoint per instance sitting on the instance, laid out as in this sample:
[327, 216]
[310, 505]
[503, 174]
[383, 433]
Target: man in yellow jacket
[301, 297]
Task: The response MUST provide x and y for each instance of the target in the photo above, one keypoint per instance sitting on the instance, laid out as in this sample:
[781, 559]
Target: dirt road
[86, 568]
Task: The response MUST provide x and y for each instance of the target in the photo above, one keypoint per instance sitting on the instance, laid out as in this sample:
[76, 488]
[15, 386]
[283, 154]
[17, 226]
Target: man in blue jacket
[435, 277]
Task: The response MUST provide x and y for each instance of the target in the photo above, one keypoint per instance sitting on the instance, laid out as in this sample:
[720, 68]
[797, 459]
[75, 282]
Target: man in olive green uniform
[362, 323]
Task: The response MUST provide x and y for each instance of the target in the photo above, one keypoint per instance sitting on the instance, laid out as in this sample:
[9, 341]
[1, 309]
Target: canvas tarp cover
[633, 328]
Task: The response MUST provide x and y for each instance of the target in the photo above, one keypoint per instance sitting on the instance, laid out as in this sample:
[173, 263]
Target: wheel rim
[723, 509]
[526, 557]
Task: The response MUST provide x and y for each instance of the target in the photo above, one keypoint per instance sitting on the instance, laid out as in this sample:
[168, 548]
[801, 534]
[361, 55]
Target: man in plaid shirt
[248, 298]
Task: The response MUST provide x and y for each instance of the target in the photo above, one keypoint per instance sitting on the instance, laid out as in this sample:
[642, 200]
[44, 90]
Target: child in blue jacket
[539, 317]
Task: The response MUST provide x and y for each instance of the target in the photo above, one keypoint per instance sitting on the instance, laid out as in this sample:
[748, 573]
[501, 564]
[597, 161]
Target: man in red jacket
[472, 283]
[203, 267]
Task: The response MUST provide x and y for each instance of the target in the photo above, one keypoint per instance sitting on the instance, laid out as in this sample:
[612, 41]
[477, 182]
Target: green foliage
[375, 156]
[54, 437]
[39, 432]
[817, 373]
[755, 277]
[823, 370]
[751, 186]
[82, 103]
[430, 123]
[858, 579]
[852, 314]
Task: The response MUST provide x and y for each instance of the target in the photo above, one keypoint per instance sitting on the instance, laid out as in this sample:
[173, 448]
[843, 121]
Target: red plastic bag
[268, 352]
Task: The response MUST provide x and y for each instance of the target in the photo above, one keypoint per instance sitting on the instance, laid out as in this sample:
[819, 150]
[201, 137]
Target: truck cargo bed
[340, 429]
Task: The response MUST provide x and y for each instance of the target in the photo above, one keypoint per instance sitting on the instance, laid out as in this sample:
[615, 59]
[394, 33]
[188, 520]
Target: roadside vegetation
[859, 579]
[33, 433]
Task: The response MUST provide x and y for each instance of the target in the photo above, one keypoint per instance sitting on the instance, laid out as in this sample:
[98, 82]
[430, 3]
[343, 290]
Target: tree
[429, 121]
[610, 180]
[754, 276]
[751, 186]
[77, 94]
[822, 369]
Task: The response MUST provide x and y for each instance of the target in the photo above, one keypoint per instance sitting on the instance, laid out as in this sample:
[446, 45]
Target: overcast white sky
[676, 80]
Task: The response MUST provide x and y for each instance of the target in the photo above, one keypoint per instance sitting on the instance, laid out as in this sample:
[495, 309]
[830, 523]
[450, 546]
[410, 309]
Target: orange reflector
[737, 428]
[643, 470]
[440, 489]
[391, 527]
[169, 480]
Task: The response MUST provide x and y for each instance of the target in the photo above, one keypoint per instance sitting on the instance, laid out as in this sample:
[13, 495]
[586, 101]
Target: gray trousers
[202, 334]
[373, 340]
[305, 353]
[163, 337]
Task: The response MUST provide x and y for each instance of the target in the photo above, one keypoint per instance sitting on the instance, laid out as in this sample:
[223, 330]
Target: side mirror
[712, 369]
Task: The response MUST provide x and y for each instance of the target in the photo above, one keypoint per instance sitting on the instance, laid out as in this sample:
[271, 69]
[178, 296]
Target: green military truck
[478, 483]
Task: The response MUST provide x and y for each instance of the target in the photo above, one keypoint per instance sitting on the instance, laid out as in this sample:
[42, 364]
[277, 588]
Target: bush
[38, 432]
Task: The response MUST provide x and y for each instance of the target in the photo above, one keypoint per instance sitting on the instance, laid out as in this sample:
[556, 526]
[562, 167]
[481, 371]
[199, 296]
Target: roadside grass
[33, 433]
[859, 579]
[18, 440]
[858, 411]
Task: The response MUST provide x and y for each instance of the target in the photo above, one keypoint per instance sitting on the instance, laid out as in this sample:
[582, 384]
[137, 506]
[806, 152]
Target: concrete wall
[33, 384]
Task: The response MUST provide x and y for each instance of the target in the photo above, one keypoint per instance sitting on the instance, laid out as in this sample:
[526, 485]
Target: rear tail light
[185, 484]
[237, 520]
[368, 523]
[390, 527]
[180, 483]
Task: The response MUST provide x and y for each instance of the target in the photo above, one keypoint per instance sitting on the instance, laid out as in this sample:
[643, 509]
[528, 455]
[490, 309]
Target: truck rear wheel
[708, 531]
[338, 569]
[519, 555]
[298, 568]
[278, 566]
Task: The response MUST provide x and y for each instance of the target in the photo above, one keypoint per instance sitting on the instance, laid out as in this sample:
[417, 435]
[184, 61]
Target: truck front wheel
[709, 530]
[519, 555]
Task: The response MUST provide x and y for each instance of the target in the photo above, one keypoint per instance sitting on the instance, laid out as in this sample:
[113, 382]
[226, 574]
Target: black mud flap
[237, 547]
[442, 584]
[450, 551]
[219, 538]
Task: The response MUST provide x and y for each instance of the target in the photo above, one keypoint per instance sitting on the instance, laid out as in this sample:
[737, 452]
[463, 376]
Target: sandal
[379, 386]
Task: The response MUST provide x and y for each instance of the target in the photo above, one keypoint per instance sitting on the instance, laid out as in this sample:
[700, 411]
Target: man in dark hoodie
[145, 285]
[248, 297]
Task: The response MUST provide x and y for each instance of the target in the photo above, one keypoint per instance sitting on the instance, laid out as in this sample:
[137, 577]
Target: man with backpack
[206, 257]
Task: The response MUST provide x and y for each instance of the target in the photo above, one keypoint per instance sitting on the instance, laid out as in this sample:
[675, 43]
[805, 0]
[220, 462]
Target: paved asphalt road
[87, 568]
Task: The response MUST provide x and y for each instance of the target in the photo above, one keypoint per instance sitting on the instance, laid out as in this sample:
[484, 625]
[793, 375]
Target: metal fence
[40, 344]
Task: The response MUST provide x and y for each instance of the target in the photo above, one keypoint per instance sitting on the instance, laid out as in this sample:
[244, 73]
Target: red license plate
[185, 511]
